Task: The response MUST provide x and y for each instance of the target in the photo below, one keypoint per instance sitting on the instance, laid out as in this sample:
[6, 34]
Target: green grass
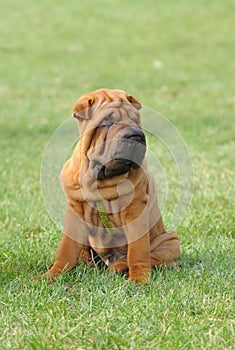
[50, 54]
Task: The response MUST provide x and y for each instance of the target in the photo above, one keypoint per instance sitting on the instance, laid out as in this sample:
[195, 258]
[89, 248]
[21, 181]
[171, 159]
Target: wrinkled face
[117, 143]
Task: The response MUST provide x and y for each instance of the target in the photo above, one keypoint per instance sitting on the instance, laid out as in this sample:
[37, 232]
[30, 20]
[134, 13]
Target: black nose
[135, 135]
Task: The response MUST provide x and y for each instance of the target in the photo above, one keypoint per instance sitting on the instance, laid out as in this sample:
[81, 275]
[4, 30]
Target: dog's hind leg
[165, 249]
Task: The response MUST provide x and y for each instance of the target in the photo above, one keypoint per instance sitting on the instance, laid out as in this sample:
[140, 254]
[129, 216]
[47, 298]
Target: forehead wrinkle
[129, 112]
[122, 112]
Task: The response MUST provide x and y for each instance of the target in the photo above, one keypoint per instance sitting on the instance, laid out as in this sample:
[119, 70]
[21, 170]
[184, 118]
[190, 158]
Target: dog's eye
[106, 122]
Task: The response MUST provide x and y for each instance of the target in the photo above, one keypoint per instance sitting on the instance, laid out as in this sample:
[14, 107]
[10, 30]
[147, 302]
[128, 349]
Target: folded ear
[135, 103]
[82, 108]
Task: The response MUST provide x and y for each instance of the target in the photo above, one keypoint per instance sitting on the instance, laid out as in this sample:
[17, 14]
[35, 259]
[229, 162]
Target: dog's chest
[110, 244]
[101, 217]
[109, 247]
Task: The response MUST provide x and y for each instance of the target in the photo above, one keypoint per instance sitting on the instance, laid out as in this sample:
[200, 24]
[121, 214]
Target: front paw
[139, 275]
[119, 266]
[52, 273]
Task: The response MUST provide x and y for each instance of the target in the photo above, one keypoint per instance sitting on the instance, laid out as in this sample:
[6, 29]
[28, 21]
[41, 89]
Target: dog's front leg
[138, 259]
[68, 254]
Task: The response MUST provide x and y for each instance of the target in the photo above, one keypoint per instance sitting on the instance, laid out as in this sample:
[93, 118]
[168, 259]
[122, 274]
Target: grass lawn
[176, 57]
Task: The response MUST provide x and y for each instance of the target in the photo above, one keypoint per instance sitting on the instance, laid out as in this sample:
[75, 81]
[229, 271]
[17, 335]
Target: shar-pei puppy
[112, 211]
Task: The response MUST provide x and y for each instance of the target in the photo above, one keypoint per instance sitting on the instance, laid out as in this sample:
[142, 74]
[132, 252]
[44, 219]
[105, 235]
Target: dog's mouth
[115, 167]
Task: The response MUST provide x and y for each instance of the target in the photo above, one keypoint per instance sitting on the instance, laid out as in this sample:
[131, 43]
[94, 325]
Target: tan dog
[108, 170]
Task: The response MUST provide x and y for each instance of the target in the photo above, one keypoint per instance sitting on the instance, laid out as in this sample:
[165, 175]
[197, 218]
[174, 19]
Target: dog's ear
[135, 103]
[82, 108]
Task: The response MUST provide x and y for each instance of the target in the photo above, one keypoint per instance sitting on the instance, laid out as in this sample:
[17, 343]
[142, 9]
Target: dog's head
[110, 130]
